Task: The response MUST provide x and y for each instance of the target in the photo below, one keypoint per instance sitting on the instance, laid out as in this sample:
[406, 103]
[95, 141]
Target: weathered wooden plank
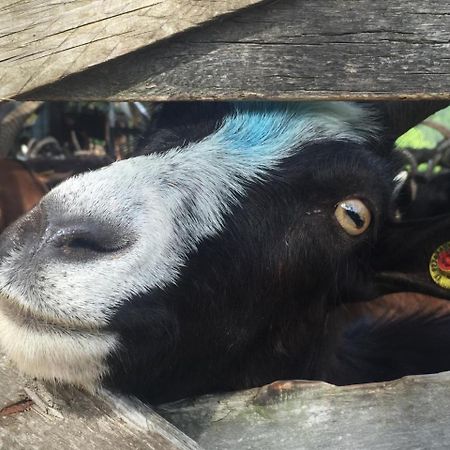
[65, 418]
[43, 41]
[412, 413]
[351, 49]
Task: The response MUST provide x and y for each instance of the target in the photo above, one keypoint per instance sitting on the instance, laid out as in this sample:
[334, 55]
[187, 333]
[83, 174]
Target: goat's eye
[353, 216]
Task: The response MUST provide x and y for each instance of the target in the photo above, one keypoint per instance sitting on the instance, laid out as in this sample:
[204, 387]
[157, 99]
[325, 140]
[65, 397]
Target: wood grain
[411, 413]
[291, 49]
[42, 41]
[37, 417]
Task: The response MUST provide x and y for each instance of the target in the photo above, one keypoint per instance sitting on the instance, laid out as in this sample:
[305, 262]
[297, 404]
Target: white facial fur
[75, 357]
[167, 204]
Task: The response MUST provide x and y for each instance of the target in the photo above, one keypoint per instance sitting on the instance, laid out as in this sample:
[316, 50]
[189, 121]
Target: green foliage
[422, 136]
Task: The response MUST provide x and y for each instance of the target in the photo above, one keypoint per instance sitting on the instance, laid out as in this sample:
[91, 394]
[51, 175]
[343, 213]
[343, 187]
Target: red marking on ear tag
[440, 266]
[443, 261]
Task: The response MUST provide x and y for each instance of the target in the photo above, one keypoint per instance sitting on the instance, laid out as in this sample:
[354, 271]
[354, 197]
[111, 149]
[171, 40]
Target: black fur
[258, 303]
[282, 291]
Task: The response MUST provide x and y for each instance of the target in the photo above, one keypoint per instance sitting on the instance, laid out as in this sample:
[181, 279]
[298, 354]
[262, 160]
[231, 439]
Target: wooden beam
[291, 49]
[35, 416]
[42, 41]
[409, 413]
[413, 412]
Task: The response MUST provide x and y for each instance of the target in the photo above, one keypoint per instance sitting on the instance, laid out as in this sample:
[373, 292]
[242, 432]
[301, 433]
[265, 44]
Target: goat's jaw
[54, 353]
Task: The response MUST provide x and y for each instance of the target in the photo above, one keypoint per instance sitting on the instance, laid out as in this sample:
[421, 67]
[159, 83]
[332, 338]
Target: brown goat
[20, 190]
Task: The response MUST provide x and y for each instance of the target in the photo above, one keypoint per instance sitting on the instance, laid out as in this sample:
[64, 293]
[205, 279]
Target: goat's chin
[54, 353]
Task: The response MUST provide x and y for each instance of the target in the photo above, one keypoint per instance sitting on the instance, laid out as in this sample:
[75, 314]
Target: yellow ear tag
[440, 266]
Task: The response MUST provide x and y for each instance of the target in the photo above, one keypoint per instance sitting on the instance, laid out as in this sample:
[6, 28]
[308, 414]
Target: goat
[20, 191]
[249, 243]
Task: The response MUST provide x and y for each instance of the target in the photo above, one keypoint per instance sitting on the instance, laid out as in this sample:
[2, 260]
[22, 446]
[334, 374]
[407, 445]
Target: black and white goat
[253, 243]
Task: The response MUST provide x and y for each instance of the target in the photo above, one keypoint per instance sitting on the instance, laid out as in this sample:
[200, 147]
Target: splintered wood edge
[58, 402]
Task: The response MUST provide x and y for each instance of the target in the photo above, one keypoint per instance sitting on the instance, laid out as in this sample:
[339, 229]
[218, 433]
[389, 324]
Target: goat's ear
[399, 116]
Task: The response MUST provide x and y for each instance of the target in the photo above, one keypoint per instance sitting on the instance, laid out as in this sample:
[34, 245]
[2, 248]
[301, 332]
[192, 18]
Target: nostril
[94, 241]
[85, 243]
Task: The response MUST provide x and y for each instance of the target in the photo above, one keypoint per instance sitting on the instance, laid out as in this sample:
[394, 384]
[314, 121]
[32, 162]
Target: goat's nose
[48, 235]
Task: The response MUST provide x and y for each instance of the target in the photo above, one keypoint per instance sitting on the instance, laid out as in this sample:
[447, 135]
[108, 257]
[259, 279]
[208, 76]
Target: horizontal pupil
[354, 216]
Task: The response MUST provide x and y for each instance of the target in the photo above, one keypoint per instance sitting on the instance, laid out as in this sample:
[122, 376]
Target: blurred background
[60, 136]
[113, 130]
[57, 135]
[43, 143]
